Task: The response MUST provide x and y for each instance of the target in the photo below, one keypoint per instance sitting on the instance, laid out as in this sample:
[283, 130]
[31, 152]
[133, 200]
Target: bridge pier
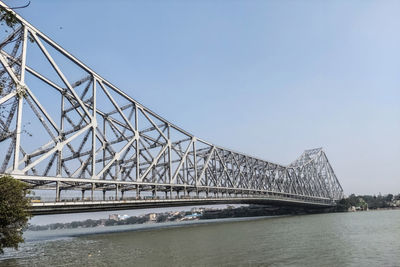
[122, 194]
[83, 194]
[104, 194]
[154, 191]
[116, 191]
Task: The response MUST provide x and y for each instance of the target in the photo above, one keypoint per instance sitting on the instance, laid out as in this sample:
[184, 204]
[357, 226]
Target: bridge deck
[91, 206]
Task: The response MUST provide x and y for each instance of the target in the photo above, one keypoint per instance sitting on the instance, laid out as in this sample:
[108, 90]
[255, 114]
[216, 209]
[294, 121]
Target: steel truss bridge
[64, 128]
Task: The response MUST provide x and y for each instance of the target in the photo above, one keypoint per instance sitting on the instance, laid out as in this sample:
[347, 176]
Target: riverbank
[32, 236]
[196, 213]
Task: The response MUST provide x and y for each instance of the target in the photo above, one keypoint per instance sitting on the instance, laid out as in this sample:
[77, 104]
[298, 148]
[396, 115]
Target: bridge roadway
[46, 208]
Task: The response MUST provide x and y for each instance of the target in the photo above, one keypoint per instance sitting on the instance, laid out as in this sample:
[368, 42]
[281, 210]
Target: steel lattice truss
[63, 126]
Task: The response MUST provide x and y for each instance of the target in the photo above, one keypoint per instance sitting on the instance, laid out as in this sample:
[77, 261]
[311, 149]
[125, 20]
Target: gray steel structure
[64, 127]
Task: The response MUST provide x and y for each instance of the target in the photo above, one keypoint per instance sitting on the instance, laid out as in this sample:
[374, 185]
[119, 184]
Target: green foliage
[176, 217]
[14, 212]
[343, 205]
[389, 197]
[366, 201]
[162, 218]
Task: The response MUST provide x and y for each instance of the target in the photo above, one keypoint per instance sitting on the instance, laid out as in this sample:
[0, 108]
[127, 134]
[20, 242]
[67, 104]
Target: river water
[336, 239]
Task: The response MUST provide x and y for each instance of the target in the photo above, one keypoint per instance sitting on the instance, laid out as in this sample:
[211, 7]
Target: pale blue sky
[268, 78]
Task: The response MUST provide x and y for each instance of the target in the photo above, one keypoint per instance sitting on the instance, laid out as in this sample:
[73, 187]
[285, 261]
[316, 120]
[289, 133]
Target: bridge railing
[149, 199]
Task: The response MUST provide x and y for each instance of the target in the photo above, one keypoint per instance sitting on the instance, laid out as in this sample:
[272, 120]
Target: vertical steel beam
[18, 133]
[137, 191]
[104, 147]
[137, 144]
[59, 152]
[169, 154]
[94, 123]
[92, 192]
[57, 191]
[196, 178]
[20, 87]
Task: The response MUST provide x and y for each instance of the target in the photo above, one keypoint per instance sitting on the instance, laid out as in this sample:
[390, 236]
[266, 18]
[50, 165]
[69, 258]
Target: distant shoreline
[43, 235]
[194, 214]
[48, 235]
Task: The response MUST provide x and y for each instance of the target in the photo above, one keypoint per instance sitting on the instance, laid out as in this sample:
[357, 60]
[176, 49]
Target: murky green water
[341, 239]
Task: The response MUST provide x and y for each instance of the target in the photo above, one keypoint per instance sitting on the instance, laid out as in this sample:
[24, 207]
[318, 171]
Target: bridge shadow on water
[267, 206]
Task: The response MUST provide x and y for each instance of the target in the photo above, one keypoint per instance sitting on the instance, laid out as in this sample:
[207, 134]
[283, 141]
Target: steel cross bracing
[63, 127]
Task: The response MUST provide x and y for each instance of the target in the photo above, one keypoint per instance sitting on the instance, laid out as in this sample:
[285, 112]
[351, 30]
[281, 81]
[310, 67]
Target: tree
[14, 212]
[389, 197]
[9, 17]
[162, 218]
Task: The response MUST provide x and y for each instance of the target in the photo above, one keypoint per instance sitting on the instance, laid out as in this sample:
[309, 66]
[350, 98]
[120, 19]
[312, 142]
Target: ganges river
[337, 239]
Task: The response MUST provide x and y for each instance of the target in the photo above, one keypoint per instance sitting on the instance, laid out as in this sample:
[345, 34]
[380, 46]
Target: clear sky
[268, 78]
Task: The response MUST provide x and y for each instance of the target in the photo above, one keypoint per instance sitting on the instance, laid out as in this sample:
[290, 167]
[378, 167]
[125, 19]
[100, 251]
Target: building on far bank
[123, 217]
[114, 217]
[152, 216]
[193, 216]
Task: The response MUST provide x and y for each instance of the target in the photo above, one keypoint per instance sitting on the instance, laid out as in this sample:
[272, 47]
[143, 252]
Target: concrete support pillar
[166, 194]
[154, 191]
[104, 194]
[116, 191]
[83, 195]
[122, 194]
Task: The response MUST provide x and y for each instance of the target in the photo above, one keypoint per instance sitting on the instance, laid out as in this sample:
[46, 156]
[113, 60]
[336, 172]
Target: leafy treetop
[14, 212]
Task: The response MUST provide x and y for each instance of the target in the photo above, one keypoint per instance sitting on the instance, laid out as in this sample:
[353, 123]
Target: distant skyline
[266, 78]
